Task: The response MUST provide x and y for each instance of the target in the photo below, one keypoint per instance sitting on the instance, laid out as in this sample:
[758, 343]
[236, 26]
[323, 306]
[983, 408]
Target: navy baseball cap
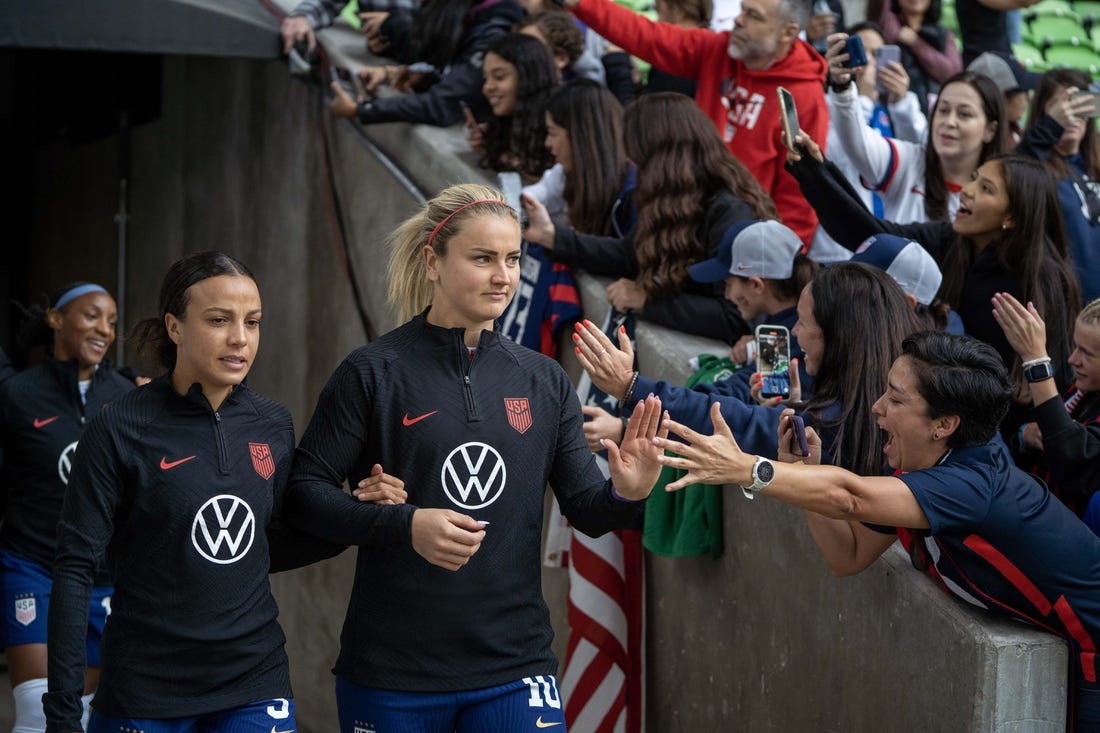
[908, 263]
[761, 248]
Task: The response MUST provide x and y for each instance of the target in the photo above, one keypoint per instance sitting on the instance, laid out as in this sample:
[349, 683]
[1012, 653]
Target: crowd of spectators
[963, 186]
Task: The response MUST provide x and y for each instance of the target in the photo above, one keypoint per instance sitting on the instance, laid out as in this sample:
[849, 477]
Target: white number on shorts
[281, 712]
[106, 603]
[544, 691]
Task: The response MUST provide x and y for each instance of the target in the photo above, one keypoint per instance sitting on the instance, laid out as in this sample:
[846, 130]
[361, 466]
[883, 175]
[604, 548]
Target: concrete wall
[761, 639]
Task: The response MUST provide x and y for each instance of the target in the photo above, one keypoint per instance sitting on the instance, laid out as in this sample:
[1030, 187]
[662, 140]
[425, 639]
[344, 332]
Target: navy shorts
[532, 703]
[27, 605]
[265, 716]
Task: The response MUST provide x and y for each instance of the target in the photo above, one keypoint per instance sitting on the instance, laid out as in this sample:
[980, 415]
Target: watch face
[765, 472]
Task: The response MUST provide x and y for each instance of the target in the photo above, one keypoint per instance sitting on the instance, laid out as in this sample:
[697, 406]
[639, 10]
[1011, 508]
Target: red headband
[451, 215]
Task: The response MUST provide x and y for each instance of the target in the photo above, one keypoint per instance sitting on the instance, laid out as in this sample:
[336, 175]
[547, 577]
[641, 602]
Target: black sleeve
[289, 547]
[1039, 141]
[841, 211]
[608, 256]
[87, 521]
[1072, 450]
[619, 72]
[583, 494]
[438, 106]
[316, 502]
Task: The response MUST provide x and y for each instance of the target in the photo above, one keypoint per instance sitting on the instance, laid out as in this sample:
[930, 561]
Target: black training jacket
[481, 436]
[180, 496]
[42, 419]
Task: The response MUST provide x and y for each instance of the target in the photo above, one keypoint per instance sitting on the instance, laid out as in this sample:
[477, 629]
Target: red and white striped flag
[603, 680]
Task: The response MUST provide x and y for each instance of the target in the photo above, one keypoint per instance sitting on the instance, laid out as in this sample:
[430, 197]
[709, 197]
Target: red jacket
[741, 102]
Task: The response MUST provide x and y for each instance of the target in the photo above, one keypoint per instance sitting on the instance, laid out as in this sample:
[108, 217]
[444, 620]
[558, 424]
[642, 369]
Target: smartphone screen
[773, 360]
[512, 186]
[883, 56]
[788, 116]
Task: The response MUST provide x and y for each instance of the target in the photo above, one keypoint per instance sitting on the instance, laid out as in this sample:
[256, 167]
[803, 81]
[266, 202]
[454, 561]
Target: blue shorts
[532, 704]
[265, 716]
[27, 605]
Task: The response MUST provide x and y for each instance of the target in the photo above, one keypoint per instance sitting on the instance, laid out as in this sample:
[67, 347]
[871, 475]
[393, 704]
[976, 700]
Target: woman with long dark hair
[519, 77]
[448, 36]
[690, 191]
[1007, 236]
[1061, 132]
[838, 297]
[477, 427]
[43, 414]
[177, 490]
[920, 181]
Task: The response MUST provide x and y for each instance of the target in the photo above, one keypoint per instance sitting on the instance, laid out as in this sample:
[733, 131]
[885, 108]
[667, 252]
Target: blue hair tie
[73, 293]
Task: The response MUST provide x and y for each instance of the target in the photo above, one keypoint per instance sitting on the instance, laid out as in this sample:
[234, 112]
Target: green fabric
[351, 14]
[687, 522]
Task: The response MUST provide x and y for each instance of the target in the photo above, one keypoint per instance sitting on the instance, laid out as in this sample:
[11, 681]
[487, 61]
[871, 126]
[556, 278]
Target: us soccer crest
[262, 460]
[25, 610]
[519, 413]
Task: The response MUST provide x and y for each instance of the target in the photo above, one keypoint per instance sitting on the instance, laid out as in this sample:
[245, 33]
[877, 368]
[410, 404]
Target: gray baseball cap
[753, 248]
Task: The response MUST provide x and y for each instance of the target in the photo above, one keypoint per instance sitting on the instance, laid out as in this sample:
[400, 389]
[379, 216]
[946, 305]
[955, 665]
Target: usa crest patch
[25, 610]
[519, 413]
[262, 460]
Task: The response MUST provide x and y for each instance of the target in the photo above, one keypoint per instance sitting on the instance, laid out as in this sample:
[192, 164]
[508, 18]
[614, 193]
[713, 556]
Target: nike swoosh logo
[289, 730]
[540, 724]
[43, 423]
[165, 464]
[407, 421]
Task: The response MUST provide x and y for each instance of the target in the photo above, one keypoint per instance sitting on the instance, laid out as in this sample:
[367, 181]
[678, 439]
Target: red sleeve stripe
[1010, 572]
[1077, 631]
[890, 169]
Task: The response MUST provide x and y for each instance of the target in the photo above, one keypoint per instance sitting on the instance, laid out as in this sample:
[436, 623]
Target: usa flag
[603, 682]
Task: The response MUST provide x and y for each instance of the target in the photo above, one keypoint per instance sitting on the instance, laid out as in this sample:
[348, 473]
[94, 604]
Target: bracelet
[840, 88]
[629, 391]
[1034, 362]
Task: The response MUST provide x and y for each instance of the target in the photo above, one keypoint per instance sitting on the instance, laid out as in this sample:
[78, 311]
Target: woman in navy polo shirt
[992, 534]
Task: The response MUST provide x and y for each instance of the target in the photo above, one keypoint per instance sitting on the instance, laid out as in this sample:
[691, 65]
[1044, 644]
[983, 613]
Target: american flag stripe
[602, 682]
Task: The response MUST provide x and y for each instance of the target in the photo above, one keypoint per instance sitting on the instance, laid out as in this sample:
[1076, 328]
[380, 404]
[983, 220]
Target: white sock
[87, 700]
[29, 716]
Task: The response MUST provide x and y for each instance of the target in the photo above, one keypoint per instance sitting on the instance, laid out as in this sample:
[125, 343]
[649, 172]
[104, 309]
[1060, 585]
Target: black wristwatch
[1039, 372]
[762, 474]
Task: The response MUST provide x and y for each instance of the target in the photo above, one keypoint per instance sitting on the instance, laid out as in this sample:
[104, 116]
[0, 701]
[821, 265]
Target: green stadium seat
[1043, 30]
[1050, 7]
[1029, 56]
[1075, 56]
[1087, 9]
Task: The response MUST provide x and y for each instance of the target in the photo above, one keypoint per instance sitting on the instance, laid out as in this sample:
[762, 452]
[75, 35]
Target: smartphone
[857, 56]
[788, 116]
[511, 186]
[351, 83]
[773, 360]
[1095, 101]
[883, 56]
[799, 427]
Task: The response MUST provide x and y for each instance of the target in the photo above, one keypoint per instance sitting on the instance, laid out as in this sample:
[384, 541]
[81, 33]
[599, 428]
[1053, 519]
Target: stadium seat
[1029, 56]
[1054, 29]
[1074, 55]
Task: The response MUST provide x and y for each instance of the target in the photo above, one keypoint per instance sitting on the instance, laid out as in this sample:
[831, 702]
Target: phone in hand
[857, 55]
[1095, 99]
[349, 82]
[799, 427]
[773, 360]
[511, 186]
[788, 116]
[883, 56]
